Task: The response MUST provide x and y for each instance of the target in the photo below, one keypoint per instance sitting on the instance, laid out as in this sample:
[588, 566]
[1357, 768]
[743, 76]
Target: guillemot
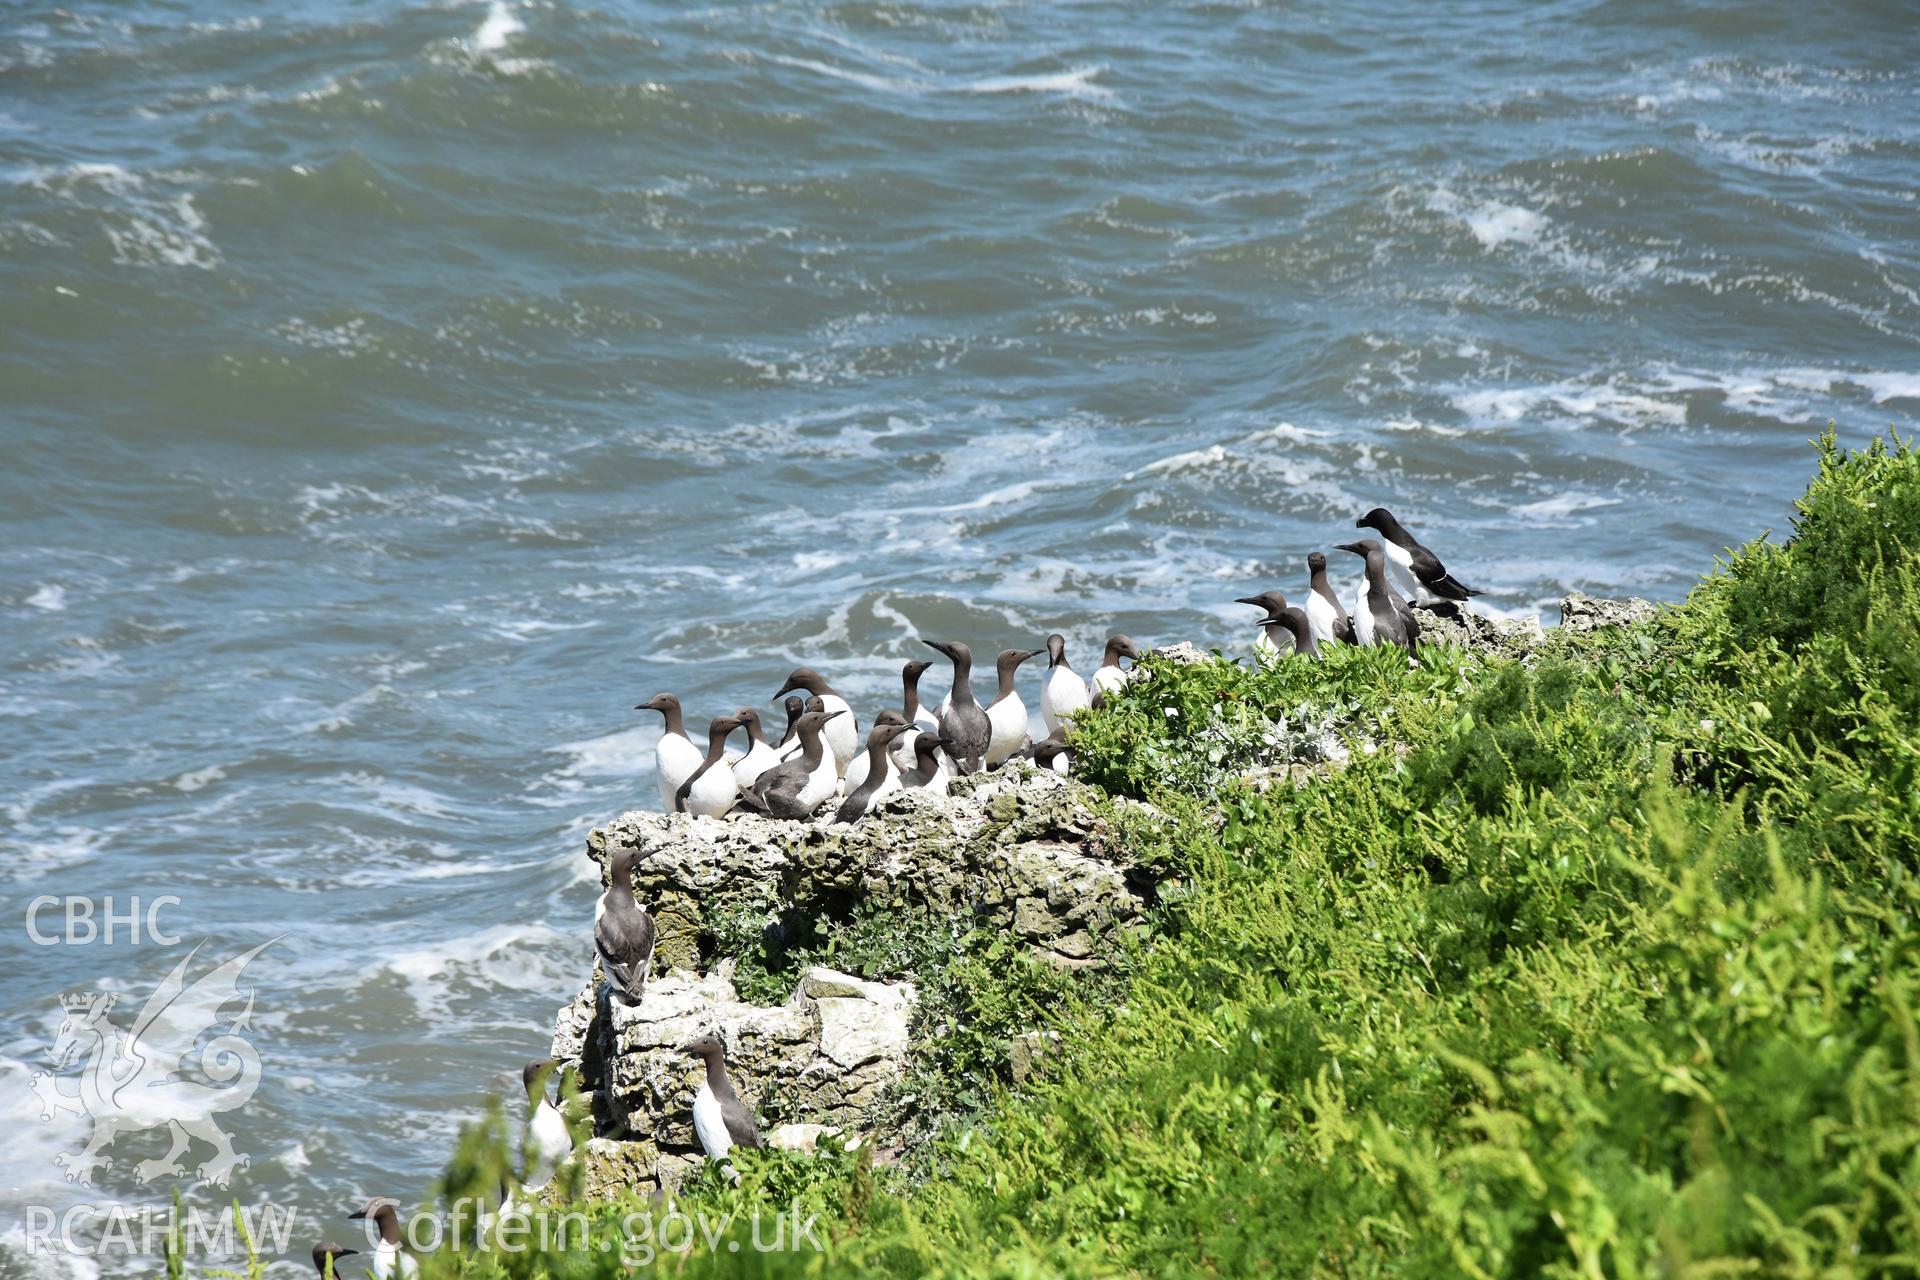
[842, 736]
[623, 931]
[760, 757]
[963, 720]
[676, 758]
[1380, 616]
[711, 791]
[795, 788]
[326, 1259]
[1062, 691]
[1417, 570]
[546, 1141]
[388, 1258]
[720, 1120]
[1111, 676]
[1295, 632]
[857, 767]
[1051, 753]
[789, 745]
[881, 779]
[930, 770]
[910, 707]
[1325, 613]
[1273, 640]
[1007, 714]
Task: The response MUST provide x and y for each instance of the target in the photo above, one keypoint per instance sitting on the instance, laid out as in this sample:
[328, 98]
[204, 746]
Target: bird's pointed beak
[1255, 601]
[1353, 547]
[356, 1215]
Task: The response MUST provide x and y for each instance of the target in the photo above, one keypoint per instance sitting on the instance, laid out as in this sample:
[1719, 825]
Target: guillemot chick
[623, 934]
[1380, 616]
[675, 758]
[1416, 570]
[1325, 614]
[1062, 690]
[964, 720]
[720, 1120]
[842, 736]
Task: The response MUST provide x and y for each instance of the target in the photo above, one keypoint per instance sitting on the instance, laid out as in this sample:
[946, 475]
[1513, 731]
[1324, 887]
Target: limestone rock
[1582, 613]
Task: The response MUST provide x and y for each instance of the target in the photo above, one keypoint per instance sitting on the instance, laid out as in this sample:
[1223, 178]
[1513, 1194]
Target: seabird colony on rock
[822, 755]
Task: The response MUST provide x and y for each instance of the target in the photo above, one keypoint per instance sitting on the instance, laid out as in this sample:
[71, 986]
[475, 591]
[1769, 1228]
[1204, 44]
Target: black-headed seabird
[1062, 691]
[760, 756]
[623, 931]
[964, 719]
[789, 745]
[910, 705]
[857, 767]
[389, 1259]
[1380, 616]
[881, 780]
[1110, 675]
[720, 1120]
[841, 735]
[711, 791]
[1273, 640]
[1418, 571]
[930, 752]
[326, 1259]
[1295, 632]
[676, 758]
[795, 788]
[1051, 753]
[1007, 714]
[1325, 614]
[547, 1140]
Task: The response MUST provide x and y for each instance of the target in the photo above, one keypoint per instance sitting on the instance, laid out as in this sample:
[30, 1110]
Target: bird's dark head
[887, 717]
[1379, 519]
[813, 720]
[380, 1209]
[1316, 562]
[953, 649]
[664, 703]
[620, 865]
[1271, 601]
[1047, 750]
[805, 678]
[884, 734]
[534, 1076]
[915, 669]
[1363, 548]
[706, 1048]
[1009, 659]
[327, 1255]
[1118, 647]
[750, 718]
[1056, 649]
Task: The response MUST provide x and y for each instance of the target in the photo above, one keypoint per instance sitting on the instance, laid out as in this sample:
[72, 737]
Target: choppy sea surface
[391, 396]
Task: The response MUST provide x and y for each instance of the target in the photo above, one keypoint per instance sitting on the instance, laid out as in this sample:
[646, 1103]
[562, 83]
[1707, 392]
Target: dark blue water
[391, 397]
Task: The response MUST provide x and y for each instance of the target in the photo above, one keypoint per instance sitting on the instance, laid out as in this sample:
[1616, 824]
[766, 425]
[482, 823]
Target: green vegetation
[1605, 965]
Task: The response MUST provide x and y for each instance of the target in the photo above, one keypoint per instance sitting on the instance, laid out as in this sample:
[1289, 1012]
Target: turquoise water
[391, 397]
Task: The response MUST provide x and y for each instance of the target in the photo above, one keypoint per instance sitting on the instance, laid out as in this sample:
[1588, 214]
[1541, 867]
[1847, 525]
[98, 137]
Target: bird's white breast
[1062, 692]
[676, 759]
[714, 793]
[1107, 679]
[757, 761]
[1007, 719]
[709, 1125]
[1400, 569]
[840, 734]
[547, 1143]
[1320, 617]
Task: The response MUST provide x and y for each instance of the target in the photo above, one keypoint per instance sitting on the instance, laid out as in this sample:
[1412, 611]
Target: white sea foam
[1562, 505]
[500, 26]
[199, 778]
[484, 963]
[1075, 83]
[49, 596]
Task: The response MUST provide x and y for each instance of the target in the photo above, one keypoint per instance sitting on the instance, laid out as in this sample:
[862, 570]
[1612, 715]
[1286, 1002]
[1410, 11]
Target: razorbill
[881, 779]
[720, 1120]
[710, 792]
[858, 766]
[1380, 616]
[1325, 613]
[623, 931]
[547, 1140]
[930, 770]
[326, 1259]
[1110, 676]
[389, 1259]
[760, 757]
[795, 788]
[1007, 713]
[1295, 632]
[1417, 570]
[1062, 691]
[676, 757]
[842, 735]
[1273, 640]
